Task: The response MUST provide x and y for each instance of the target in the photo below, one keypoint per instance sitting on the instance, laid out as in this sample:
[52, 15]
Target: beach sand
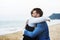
[12, 36]
[54, 34]
[54, 31]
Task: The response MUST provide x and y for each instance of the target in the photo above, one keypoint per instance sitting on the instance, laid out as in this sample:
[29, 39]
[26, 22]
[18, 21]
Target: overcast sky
[16, 10]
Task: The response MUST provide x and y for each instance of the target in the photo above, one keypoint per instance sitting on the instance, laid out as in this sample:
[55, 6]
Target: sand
[12, 36]
[54, 34]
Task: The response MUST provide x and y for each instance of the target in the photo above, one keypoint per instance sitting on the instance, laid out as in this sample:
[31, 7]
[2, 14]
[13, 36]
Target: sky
[17, 10]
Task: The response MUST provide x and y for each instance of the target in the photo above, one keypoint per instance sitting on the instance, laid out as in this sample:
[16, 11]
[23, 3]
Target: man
[41, 31]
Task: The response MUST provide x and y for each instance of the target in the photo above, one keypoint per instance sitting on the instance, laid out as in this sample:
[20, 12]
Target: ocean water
[6, 24]
[7, 27]
[11, 26]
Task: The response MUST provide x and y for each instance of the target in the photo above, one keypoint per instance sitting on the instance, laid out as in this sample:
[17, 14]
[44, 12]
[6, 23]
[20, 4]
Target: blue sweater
[41, 31]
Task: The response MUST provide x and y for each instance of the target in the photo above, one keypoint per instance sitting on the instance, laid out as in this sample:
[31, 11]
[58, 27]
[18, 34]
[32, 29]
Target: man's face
[35, 14]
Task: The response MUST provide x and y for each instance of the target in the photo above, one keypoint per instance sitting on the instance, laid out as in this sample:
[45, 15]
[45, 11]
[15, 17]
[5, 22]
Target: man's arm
[37, 31]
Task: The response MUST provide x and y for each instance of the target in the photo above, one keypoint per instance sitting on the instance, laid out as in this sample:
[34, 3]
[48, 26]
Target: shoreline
[54, 32]
[4, 31]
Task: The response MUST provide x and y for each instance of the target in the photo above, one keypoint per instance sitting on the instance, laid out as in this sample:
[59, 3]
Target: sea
[7, 27]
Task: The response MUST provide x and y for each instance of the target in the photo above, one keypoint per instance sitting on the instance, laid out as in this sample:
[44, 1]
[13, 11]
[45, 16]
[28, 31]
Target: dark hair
[38, 10]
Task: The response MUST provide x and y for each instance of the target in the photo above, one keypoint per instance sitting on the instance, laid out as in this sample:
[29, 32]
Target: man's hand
[48, 20]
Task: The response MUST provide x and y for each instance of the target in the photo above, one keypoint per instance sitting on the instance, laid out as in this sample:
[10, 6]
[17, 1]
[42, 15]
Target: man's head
[36, 12]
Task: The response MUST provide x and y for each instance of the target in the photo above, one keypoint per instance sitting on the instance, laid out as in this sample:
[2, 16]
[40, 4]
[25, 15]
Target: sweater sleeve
[37, 31]
[38, 20]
